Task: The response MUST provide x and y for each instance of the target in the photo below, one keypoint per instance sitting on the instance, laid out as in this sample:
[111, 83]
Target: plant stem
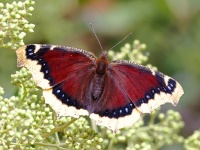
[60, 128]
[94, 126]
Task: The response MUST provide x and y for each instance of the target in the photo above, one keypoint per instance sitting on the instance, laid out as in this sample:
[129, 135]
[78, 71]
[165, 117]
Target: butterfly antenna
[96, 37]
[120, 41]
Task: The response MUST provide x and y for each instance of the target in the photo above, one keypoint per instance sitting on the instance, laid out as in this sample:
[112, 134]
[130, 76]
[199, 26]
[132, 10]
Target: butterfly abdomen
[99, 77]
[97, 89]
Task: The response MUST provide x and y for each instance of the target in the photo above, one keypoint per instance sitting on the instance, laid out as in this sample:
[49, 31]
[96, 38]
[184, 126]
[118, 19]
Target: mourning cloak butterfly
[114, 94]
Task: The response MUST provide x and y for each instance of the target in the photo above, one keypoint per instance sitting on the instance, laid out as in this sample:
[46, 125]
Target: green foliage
[13, 23]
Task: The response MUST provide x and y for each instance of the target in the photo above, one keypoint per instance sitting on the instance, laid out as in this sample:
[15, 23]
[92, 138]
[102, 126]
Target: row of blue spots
[118, 112]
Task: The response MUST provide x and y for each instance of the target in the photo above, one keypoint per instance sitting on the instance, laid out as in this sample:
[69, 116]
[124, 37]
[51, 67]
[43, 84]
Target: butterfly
[114, 94]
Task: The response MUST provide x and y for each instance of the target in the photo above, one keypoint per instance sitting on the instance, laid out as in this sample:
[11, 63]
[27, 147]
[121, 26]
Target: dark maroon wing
[63, 72]
[146, 89]
[51, 65]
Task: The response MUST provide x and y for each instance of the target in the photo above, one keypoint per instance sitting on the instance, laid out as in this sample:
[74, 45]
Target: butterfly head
[104, 55]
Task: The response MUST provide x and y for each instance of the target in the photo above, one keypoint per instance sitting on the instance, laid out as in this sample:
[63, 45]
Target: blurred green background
[170, 28]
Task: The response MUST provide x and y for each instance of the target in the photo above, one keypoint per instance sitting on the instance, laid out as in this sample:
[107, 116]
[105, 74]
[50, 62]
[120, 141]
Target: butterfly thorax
[101, 65]
[99, 78]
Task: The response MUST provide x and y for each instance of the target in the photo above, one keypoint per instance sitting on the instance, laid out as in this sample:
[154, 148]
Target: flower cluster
[23, 118]
[134, 53]
[130, 52]
[193, 141]
[80, 135]
[151, 135]
[13, 23]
